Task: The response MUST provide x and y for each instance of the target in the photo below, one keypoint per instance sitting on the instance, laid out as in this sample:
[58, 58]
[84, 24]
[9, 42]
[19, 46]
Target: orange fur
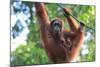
[68, 43]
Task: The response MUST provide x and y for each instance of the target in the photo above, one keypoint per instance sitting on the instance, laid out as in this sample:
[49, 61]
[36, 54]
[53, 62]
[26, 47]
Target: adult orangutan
[61, 46]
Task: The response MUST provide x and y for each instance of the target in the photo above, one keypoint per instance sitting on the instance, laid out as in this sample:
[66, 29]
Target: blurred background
[26, 47]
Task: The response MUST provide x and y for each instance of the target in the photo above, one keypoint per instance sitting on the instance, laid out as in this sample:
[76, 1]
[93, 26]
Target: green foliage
[87, 15]
[91, 48]
[29, 54]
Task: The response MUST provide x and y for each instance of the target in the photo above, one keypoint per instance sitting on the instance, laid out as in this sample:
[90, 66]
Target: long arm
[76, 38]
[43, 22]
[42, 15]
[71, 21]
